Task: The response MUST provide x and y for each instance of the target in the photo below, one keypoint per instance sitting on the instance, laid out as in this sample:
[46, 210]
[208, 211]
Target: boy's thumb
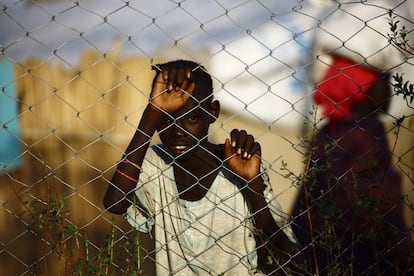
[227, 148]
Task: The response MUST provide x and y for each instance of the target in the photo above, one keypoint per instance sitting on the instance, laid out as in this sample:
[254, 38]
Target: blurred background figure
[349, 214]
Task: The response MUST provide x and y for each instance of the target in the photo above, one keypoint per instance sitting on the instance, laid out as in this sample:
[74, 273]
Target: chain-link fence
[75, 80]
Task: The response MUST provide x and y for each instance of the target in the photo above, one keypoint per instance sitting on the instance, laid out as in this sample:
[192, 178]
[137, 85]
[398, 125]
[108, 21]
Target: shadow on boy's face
[184, 131]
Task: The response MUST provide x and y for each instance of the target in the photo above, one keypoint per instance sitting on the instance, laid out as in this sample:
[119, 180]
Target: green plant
[322, 208]
[398, 37]
[48, 219]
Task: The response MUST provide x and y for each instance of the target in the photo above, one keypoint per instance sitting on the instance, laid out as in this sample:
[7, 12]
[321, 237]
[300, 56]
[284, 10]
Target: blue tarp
[10, 147]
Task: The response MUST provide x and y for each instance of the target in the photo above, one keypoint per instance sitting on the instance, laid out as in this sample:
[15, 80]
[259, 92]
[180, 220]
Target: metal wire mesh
[76, 76]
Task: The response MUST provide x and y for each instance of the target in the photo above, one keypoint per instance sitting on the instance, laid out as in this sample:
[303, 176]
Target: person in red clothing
[348, 217]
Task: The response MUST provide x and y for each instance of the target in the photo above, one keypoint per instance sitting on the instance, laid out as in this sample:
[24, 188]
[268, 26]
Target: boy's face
[183, 131]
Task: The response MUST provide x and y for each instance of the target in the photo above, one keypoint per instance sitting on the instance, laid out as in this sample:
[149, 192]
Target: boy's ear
[214, 111]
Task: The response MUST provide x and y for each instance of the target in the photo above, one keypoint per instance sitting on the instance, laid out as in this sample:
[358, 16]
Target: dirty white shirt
[206, 237]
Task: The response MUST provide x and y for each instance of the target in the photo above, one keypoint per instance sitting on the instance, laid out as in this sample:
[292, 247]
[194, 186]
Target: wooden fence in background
[76, 124]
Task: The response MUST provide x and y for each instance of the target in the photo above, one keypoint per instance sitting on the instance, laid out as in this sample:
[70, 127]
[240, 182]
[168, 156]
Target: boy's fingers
[256, 149]
[190, 89]
[184, 85]
[241, 141]
[180, 76]
[244, 144]
[159, 85]
[233, 136]
[161, 78]
[179, 80]
[188, 72]
[164, 75]
[172, 79]
[183, 79]
[248, 147]
[227, 149]
[188, 92]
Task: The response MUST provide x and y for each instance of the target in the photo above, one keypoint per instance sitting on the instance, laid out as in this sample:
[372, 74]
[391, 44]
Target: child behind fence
[211, 204]
[349, 213]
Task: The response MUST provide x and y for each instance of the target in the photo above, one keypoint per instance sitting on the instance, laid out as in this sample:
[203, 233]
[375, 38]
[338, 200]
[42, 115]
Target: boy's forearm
[271, 239]
[118, 197]
[139, 144]
[258, 205]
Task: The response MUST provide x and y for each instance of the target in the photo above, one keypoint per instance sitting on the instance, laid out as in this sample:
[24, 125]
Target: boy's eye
[193, 118]
[166, 119]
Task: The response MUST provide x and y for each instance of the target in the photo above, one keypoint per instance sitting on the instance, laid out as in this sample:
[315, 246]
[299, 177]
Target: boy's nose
[177, 129]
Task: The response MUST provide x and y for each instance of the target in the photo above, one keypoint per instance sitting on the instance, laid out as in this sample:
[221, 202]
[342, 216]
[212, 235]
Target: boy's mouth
[178, 149]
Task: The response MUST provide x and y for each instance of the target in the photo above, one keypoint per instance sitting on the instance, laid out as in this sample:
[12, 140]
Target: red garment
[345, 83]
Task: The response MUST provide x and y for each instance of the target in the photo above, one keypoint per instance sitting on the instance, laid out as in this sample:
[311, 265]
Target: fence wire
[75, 79]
